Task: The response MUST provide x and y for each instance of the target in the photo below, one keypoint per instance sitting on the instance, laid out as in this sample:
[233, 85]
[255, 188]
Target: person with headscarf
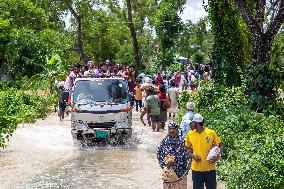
[173, 145]
[186, 119]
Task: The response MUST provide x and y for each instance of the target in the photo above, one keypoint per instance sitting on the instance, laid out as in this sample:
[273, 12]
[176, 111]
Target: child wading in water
[62, 100]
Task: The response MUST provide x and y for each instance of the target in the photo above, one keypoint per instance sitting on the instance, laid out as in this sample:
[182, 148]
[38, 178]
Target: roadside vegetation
[254, 142]
[19, 105]
[244, 44]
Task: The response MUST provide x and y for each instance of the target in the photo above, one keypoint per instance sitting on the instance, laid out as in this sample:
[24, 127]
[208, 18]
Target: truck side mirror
[131, 98]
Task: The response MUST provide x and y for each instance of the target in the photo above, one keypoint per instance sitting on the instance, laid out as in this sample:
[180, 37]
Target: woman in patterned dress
[173, 145]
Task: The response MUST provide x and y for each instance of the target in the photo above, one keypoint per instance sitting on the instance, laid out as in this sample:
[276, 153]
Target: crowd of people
[161, 89]
[91, 70]
[156, 97]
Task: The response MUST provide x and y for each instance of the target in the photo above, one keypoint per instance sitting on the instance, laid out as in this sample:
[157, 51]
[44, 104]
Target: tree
[23, 30]
[133, 34]
[168, 26]
[260, 21]
[79, 45]
[230, 43]
[196, 39]
[264, 21]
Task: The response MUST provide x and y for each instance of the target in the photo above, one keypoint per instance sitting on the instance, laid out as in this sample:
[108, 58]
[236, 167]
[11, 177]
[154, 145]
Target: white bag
[215, 151]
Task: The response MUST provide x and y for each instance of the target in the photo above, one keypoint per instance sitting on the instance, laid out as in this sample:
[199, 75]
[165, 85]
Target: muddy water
[43, 155]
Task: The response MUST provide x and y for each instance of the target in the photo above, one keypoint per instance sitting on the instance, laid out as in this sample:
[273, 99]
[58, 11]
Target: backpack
[166, 104]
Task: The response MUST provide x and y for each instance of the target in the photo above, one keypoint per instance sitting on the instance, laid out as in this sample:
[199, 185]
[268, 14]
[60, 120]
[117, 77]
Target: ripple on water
[101, 168]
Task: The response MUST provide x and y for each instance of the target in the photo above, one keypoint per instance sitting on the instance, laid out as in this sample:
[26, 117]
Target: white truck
[101, 109]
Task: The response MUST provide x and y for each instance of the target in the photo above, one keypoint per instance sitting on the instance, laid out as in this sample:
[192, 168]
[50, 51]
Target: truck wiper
[85, 103]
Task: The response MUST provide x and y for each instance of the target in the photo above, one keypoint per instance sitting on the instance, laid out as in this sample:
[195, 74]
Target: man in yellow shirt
[200, 141]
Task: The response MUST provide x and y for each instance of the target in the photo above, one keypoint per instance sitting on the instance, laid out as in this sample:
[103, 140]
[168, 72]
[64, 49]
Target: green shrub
[3, 86]
[17, 106]
[254, 142]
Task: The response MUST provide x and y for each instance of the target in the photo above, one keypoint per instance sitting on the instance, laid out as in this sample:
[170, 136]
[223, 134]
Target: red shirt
[162, 95]
[159, 79]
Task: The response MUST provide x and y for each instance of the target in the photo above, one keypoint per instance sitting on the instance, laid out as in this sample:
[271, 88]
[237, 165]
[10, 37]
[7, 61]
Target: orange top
[138, 93]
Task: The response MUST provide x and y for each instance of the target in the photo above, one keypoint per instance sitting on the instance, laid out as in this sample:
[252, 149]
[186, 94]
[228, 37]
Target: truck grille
[101, 125]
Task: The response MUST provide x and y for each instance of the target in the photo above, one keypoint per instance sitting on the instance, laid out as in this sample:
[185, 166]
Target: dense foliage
[18, 106]
[244, 34]
[231, 48]
[254, 142]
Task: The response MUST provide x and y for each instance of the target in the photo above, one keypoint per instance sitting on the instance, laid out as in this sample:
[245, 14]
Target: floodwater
[43, 155]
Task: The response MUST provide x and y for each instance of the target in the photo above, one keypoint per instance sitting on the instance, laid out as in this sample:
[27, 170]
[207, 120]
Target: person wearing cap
[173, 145]
[199, 142]
[186, 119]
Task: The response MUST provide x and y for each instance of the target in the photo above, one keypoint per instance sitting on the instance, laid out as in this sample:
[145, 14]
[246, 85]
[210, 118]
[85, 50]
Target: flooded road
[43, 155]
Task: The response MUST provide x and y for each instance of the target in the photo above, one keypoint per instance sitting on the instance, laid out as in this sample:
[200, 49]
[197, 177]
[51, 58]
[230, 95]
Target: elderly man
[186, 119]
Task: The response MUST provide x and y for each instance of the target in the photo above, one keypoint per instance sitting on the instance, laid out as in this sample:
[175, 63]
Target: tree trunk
[261, 49]
[79, 47]
[133, 34]
[262, 41]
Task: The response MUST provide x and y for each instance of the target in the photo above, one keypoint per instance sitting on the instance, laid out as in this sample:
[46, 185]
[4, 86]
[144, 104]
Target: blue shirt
[185, 123]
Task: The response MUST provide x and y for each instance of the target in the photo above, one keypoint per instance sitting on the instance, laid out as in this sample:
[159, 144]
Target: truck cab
[101, 109]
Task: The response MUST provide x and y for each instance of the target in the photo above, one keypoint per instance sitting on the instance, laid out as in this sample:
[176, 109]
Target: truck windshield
[108, 90]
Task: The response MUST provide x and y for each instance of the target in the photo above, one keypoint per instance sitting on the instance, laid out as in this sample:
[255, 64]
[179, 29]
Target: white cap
[190, 105]
[148, 80]
[197, 118]
[60, 84]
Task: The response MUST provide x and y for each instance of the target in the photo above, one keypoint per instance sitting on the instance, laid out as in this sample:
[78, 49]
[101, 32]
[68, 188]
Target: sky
[193, 11]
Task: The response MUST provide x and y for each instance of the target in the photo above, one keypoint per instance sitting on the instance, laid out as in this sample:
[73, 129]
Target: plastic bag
[215, 151]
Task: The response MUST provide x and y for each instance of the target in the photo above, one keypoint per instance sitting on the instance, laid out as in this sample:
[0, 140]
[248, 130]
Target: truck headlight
[121, 125]
[81, 126]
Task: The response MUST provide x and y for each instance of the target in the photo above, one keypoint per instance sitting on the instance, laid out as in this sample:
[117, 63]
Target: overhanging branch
[246, 14]
[276, 23]
[260, 10]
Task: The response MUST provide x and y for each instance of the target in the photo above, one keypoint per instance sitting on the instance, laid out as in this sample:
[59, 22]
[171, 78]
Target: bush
[254, 142]
[16, 106]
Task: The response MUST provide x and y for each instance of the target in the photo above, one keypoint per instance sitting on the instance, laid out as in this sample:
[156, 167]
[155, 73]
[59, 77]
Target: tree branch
[260, 10]
[272, 8]
[133, 34]
[276, 24]
[79, 47]
[73, 12]
[246, 14]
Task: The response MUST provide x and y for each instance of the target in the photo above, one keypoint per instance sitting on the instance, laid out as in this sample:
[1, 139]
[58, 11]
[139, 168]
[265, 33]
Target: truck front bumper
[88, 134]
